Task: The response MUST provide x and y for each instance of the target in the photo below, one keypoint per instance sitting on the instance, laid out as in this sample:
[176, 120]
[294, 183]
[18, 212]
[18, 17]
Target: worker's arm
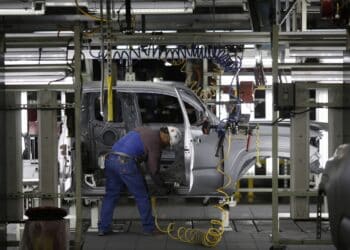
[157, 179]
[153, 165]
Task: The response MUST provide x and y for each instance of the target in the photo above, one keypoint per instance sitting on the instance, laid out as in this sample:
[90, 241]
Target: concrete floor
[251, 226]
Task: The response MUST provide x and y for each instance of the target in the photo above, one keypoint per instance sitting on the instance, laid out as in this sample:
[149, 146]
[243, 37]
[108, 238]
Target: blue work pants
[119, 173]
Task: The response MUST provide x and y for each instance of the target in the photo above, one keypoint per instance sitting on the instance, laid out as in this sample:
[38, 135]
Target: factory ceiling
[156, 15]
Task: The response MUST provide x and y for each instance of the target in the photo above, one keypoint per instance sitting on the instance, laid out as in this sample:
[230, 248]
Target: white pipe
[164, 7]
[303, 15]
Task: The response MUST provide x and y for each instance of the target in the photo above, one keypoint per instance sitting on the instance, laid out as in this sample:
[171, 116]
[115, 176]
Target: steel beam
[217, 38]
[335, 128]
[35, 68]
[314, 37]
[338, 132]
[303, 15]
[47, 143]
[39, 87]
[289, 10]
[227, 38]
[14, 165]
[275, 220]
[24, 41]
[311, 67]
[77, 115]
[345, 92]
[333, 38]
[300, 156]
[3, 179]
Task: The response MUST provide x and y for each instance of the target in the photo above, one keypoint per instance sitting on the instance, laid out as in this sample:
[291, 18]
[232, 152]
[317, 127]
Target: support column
[335, 128]
[303, 15]
[300, 156]
[3, 191]
[47, 143]
[346, 91]
[14, 165]
[339, 132]
[77, 132]
[274, 54]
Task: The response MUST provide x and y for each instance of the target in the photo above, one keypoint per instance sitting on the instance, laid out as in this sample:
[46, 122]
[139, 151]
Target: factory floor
[251, 228]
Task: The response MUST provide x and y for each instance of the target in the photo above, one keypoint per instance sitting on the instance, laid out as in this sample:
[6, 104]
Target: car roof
[163, 85]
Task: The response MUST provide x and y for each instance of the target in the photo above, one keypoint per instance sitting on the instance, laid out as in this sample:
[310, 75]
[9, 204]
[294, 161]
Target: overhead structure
[59, 45]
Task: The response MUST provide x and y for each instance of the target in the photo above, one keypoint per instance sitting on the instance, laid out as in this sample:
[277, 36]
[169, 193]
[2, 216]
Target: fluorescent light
[167, 64]
[158, 11]
[249, 46]
[19, 12]
[174, 7]
[332, 60]
[30, 62]
[161, 31]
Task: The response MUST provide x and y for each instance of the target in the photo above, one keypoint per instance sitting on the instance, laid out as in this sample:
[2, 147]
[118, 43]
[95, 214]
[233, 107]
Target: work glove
[170, 188]
[160, 191]
[163, 190]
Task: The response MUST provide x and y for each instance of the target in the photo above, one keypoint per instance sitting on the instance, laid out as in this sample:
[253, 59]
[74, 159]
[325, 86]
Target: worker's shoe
[155, 232]
[103, 233]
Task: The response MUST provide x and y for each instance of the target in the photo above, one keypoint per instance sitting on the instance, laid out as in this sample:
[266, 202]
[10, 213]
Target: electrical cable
[90, 52]
[67, 72]
[87, 14]
[278, 120]
[300, 112]
[213, 235]
[219, 54]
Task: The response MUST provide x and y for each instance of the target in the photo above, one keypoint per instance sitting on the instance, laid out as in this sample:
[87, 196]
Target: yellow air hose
[213, 235]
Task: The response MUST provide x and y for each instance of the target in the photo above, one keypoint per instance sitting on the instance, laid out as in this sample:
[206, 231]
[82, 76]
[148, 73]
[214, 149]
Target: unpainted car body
[335, 184]
[191, 166]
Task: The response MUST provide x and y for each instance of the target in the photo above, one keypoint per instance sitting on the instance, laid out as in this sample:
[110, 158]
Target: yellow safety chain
[213, 235]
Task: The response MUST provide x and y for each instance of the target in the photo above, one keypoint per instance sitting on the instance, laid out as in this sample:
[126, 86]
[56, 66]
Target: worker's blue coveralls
[119, 171]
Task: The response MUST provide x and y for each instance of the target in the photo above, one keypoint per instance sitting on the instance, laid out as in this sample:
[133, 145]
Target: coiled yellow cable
[213, 235]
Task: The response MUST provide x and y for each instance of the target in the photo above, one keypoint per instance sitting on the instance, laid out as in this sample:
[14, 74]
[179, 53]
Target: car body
[190, 166]
[335, 184]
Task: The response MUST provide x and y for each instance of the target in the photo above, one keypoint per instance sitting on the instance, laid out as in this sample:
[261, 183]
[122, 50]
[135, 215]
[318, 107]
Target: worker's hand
[165, 189]
[161, 191]
[170, 188]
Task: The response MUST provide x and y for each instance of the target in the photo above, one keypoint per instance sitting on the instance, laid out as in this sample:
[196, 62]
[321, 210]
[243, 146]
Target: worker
[121, 168]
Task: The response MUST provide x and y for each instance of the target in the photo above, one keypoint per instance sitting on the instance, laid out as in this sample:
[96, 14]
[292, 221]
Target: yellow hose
[110, 116]
[87, 14]
[213, 235]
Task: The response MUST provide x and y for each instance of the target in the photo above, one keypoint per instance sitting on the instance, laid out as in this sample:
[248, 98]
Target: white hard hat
[175, 135]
